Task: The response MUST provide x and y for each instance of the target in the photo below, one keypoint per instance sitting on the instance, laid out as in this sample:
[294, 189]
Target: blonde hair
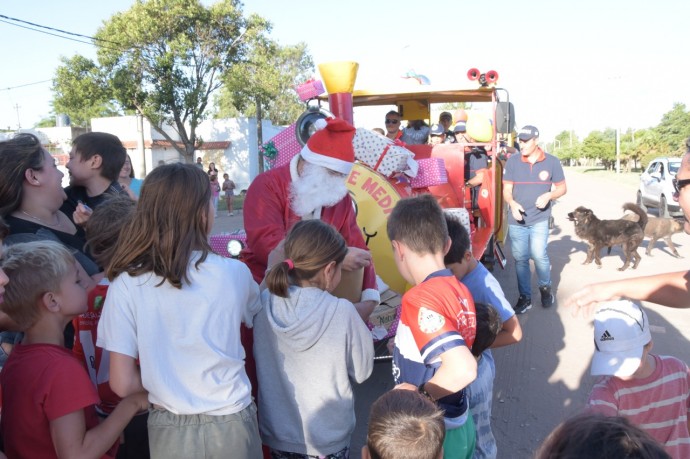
[34, 268]
[404, 424]
[310, 246]
[169, 224]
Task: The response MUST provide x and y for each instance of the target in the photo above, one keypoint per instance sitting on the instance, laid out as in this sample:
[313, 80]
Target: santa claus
[312, 185]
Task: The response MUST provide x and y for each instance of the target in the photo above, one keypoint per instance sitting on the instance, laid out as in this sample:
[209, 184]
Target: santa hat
[331, 145]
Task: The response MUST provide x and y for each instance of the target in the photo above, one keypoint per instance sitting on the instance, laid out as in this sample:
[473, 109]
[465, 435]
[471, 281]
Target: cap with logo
[528, 133]
[621, 330]
[436, 129]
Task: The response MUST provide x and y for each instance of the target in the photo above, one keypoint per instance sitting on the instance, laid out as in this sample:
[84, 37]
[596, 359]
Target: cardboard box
[383, 322]
[350, 286]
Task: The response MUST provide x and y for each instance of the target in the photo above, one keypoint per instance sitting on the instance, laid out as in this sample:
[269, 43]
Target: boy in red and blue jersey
[437, 323]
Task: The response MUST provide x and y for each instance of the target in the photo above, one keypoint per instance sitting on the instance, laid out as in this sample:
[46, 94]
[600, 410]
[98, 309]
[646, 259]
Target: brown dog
[607, 233]
[659, 228]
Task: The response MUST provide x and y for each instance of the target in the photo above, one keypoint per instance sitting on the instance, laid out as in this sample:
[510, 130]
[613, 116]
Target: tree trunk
[259, 136]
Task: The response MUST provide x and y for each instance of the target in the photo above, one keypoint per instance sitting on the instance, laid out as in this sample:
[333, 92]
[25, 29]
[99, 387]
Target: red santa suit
[268, 217]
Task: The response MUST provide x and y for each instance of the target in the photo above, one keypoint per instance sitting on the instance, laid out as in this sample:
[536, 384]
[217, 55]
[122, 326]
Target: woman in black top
[31, 195]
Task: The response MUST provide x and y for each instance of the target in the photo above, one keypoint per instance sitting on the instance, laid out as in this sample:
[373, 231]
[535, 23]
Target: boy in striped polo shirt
[650, 390]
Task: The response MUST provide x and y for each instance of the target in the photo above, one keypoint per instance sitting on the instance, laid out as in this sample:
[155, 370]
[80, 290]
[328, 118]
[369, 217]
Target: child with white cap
[650, 390]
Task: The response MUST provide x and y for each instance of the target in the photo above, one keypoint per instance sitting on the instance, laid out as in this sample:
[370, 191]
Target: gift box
[382, 154]
[383, 322]
[432, 172]
[219, 242]
[287, 145]
[462, 215]
[309, 90]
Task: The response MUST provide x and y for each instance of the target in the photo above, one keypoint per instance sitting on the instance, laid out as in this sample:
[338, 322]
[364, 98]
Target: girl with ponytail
[309, 347]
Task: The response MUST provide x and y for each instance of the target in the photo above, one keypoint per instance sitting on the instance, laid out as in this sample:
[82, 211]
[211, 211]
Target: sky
[585, 65]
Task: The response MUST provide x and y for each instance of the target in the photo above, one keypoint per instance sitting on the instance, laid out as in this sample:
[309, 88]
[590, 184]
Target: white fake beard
[315, 188]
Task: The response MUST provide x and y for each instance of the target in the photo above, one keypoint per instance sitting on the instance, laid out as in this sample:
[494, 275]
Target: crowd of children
[157, 367]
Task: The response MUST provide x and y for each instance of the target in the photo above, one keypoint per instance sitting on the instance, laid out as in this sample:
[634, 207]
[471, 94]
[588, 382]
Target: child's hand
[356, 258]
[129, 192]
[139, 399]
[406, 386]
[82, 214]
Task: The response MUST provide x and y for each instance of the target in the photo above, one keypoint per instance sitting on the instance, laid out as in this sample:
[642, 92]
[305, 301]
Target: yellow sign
[374, 199]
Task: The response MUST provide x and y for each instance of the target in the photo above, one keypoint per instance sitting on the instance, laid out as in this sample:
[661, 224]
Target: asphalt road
[545, 378]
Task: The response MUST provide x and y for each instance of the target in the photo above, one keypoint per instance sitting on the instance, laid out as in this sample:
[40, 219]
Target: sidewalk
[226, 224]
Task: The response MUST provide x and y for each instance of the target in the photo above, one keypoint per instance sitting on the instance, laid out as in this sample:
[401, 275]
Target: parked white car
[657, 189]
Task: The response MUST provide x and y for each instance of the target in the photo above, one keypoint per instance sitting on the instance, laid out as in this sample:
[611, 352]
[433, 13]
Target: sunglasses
[679, 184]
[389, 121]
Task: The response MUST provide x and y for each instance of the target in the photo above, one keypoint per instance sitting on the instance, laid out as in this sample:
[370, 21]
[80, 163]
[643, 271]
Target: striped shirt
[657, 404]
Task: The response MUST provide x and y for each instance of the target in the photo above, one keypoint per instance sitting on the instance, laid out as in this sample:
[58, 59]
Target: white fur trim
[294, 174]
[334, 164]
[320, 124]
[371, 294]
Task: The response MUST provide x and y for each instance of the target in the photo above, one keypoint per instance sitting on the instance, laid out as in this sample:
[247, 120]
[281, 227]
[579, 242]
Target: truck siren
[485, 79]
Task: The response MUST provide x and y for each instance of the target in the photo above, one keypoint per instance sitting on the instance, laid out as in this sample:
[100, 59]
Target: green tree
[261, 86]
[165, 58]
[273, 71]
[599, 145]
[80, 91]
[649, 145]
[674, 128]
[48, 121]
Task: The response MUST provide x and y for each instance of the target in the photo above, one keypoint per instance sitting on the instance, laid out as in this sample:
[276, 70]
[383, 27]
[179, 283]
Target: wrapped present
[383, 322]
[382, 154]
[310, 89]
[219, 242]
[432, 172]
[462, 215]
[287, 145]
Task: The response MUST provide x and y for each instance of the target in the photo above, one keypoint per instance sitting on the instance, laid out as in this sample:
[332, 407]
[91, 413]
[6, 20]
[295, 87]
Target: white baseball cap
[621, 330]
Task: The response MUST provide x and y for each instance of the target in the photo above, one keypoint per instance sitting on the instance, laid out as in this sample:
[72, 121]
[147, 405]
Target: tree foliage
[637, 147]
[165, 58]
[81, 92]
[675, 128]
[266, 78]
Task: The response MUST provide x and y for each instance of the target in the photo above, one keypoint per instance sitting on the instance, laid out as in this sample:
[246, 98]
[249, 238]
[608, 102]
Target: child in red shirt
[42, 298]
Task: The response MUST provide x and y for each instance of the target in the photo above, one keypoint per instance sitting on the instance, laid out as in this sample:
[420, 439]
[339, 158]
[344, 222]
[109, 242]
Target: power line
[57, 30]
[22, 85]
[47, 33]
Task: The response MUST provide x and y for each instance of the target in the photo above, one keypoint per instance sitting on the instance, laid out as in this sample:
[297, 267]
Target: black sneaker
[547, 298]
[523, 305]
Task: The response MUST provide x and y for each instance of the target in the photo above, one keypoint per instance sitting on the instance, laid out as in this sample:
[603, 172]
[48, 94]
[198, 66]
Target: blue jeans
[479, 396]
[530, 242]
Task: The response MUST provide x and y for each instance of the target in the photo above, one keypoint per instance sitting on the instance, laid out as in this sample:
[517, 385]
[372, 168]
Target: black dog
[607, 233]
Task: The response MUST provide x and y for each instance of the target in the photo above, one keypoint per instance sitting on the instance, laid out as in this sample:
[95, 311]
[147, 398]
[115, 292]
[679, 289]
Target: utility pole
[19, 124]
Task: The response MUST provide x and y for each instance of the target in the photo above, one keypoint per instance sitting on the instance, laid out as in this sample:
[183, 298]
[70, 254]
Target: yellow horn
[339, 77]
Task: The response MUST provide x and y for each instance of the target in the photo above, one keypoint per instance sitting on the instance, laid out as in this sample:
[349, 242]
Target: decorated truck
[387, 171]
